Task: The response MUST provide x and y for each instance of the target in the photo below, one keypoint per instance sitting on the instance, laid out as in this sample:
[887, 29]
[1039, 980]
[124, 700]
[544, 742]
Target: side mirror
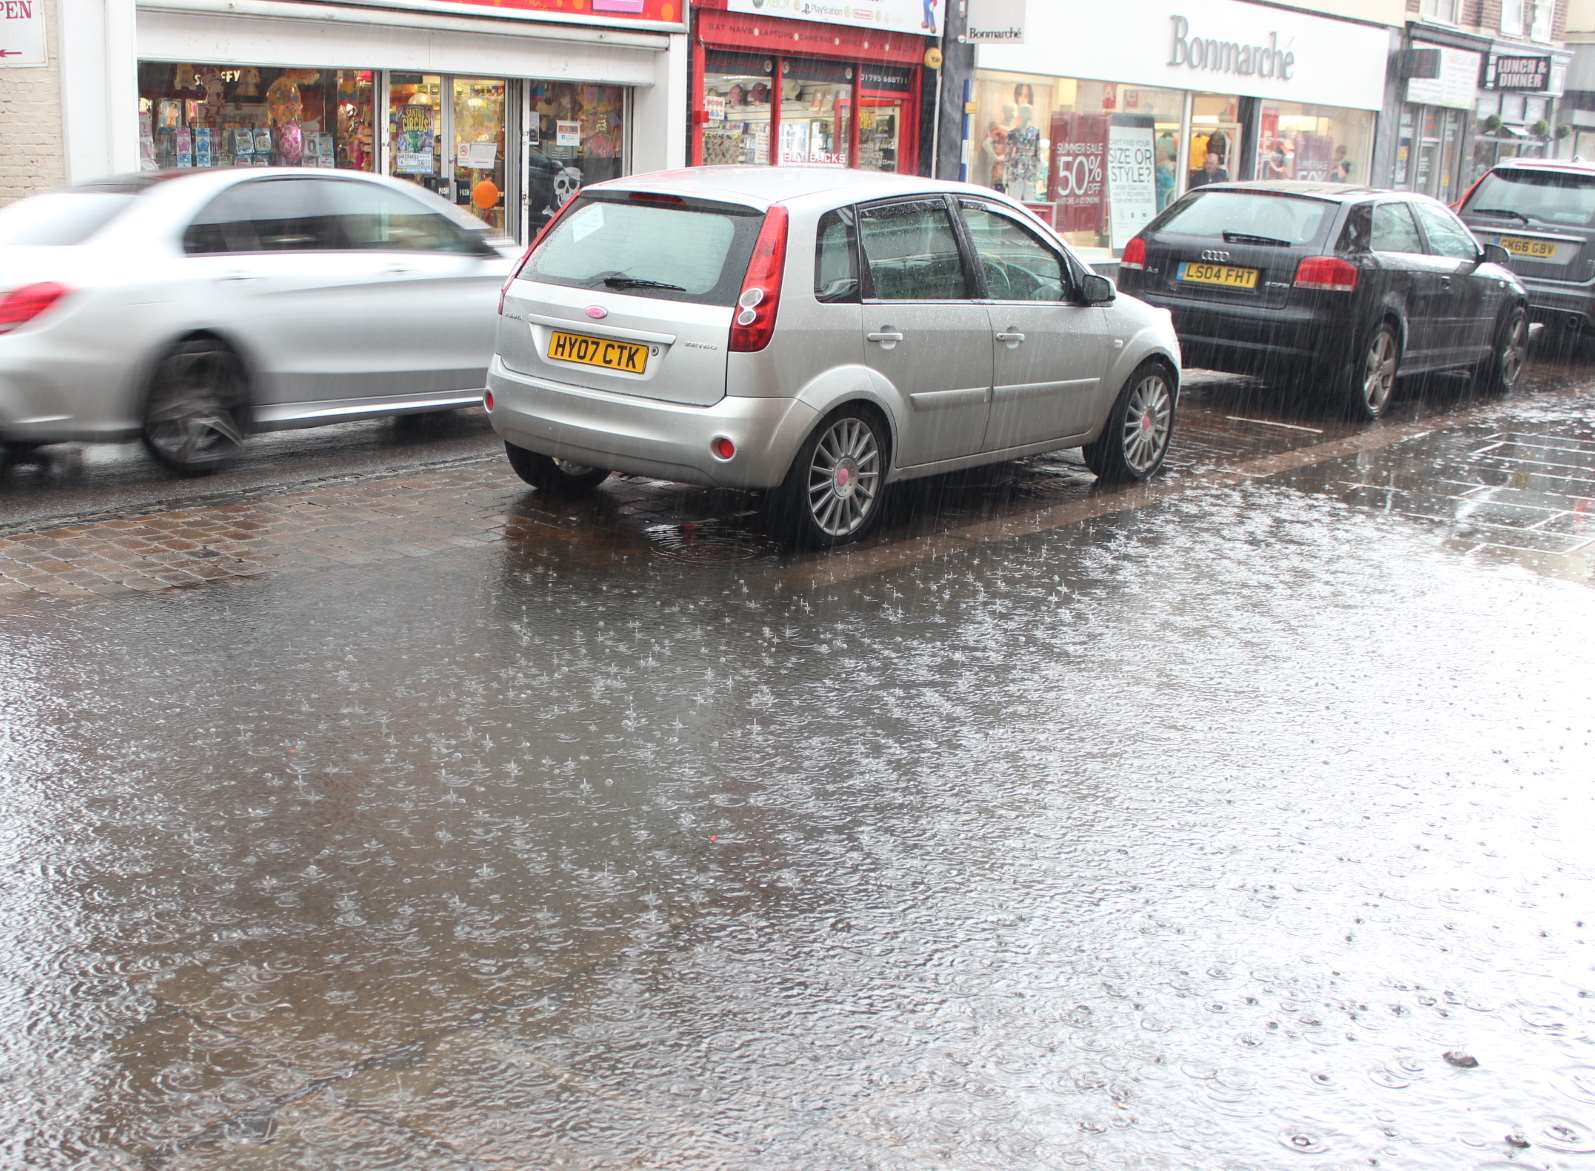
[1495, 254]
[1097, 290]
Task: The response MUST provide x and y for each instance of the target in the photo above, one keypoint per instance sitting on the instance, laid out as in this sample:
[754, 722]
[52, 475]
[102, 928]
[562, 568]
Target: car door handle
[1445, 282]
[396, 270]
[236, 276]
[887, 337]
[1011, 336]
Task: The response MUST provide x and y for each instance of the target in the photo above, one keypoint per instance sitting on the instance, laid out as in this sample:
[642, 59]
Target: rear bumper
[645, 437]
[1249, 339]
[1561, 302]
[54, 390]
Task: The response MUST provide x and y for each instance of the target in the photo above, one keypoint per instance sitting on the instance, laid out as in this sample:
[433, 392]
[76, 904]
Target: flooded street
[1242, 820]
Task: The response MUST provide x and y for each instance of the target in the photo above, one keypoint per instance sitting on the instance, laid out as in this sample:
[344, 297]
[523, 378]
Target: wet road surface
[1190, 825]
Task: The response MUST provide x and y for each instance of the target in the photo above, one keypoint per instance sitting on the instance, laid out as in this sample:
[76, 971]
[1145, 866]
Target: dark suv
[1542, 212]
[1328, 283]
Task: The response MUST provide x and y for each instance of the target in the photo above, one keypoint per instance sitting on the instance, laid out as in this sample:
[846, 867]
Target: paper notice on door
[567, 133]
[477, 156]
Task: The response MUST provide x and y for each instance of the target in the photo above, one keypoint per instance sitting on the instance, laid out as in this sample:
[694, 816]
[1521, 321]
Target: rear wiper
[637, 282]
[1506, 211]
[1248, 238]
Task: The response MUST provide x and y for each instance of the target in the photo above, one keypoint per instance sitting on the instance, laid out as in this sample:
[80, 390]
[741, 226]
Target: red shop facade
[774, 91]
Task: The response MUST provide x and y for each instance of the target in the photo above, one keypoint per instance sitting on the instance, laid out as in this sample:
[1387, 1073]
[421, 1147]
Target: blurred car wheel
[194, 415]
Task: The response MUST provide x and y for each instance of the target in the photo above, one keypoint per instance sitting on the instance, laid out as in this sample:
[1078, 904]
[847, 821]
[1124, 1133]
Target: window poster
[1132, 181]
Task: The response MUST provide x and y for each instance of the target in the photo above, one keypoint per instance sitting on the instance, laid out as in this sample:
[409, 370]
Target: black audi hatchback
[1331, 286]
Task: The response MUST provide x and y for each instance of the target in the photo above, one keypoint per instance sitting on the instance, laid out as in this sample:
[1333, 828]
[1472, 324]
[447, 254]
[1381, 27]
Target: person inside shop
[1342, 169]
[1277, 164]
[1164, 175]
[1213, 170]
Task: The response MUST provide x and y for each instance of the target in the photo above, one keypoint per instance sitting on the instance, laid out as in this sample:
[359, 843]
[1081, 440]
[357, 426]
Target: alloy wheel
[1379, 371]
[1148, 421]
[1514, 350]
[844, 477]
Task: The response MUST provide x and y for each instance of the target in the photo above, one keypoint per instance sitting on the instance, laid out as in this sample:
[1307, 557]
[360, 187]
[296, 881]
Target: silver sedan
[189, 308]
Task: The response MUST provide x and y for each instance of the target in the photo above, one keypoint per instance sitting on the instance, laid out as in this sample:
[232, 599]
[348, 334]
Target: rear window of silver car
[1294, 220]
[1551, 197]
[60, 218]
[650, 246]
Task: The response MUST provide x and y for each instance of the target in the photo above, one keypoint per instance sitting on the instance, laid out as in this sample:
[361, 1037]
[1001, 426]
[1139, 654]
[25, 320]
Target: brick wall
[32, 150]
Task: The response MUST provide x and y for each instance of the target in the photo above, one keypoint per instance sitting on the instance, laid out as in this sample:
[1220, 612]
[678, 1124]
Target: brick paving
[1514, 479]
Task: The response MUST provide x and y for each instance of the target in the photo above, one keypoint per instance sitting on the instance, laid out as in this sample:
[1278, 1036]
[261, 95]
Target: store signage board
[1215, 46]
[1522, 73]
[1456, 88]
[668, 15]
[995, 22]
[1132, 181]
[1077, 179]
[902, 16]
[22, 43]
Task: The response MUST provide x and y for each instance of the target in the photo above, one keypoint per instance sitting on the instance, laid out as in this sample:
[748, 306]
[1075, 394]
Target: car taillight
[1328, 274]
[754, 322]
[542, 234]
[1134, 254]
[20, 306]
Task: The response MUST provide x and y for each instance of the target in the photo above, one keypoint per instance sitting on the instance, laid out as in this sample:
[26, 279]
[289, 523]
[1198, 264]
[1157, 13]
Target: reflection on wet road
[1189, 828]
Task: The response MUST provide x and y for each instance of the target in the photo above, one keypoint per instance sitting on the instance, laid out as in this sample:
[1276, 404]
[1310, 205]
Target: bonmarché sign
[1241, 58]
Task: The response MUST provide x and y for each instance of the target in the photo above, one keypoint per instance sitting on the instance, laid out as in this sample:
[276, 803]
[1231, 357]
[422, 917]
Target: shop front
[1516, 106]
[770, 89]
[503, 116]
[1103, 116]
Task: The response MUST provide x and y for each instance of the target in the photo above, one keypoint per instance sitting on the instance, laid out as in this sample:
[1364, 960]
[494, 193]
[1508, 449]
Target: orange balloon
[485, 194]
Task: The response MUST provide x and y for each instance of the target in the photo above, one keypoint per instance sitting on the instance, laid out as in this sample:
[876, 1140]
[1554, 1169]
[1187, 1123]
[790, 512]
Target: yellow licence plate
[1218, 274]
[1518, 246]
[597, 351]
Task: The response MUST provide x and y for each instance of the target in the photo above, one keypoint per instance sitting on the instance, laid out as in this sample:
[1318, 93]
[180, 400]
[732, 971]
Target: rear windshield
[1546, 196]
[1287, 219]
[673, 251]
[63, 217]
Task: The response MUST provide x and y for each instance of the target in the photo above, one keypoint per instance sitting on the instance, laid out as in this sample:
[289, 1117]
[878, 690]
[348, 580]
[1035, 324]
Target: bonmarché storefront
[1106, 113]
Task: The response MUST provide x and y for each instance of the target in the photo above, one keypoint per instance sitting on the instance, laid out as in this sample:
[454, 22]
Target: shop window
[576, 137]
[1047, 140]
[816, 114]
[1394, 229]
[737, 89]
[1016, 265]
[911, 252]
[836, 258]
[197, 116]
[1316, 143]
[886, 117]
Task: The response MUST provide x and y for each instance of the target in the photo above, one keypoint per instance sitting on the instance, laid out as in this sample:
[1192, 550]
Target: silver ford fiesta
[817, 334]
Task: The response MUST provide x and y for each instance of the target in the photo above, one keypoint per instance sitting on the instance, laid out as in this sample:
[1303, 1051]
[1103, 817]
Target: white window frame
[1543, 18]
[1444, 11]
[1512, 17]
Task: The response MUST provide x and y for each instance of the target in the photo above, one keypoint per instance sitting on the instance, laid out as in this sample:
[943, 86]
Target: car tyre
[833, 492]
[1135, 440]
[1508, 353]
[1368, 382]
[557, 477]
[196, 410]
